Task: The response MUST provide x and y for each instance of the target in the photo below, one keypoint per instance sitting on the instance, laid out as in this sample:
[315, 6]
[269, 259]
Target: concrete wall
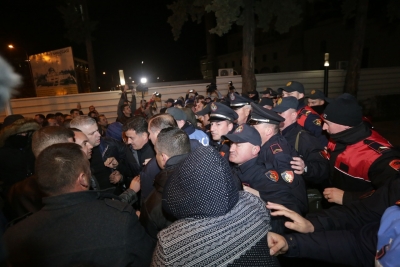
[373, 83]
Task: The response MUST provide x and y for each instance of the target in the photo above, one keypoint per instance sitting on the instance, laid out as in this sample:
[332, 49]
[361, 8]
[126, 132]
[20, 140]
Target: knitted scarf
[213, 241]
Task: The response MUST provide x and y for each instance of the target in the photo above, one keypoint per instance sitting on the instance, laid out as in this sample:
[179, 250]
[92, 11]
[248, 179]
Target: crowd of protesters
[258, 179]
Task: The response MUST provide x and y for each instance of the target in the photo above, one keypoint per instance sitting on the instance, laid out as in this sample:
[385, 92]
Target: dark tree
[277, 15]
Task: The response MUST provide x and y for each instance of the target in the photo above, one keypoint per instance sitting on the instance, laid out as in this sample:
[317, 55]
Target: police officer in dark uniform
[361, 160]
[222, 119]
[306, 116]
[276, 153]
[241, 105]
[318, 101]
[315, 163]
[256, 179]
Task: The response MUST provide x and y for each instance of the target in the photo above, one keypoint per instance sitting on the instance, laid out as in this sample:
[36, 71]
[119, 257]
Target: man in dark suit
[76, 226]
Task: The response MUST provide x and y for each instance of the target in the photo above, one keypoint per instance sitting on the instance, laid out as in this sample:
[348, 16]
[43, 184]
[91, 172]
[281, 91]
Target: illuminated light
[143, 80]
[10, 46]
[326, 58]
[104, 72]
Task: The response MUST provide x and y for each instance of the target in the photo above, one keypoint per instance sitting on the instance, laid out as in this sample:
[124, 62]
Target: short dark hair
[66, 123]
[58, 114]
[48, 136]
[123, 107]
[136, 123]
[92, 112]
[173, 141]
[41, 116]
[50, 115]
[161, 121]
[58, 166]
[73, 110]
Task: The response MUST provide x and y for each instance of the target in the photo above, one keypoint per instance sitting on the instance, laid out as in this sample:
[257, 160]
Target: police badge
[287, 176]
[214, 107]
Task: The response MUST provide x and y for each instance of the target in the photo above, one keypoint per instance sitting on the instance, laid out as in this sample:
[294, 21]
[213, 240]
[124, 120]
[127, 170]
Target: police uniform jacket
[346, 234]
[312, 122]
[276, 155]
[152, 216]
[80, 228]
[267, 183]
[311, 151]
[360, 161]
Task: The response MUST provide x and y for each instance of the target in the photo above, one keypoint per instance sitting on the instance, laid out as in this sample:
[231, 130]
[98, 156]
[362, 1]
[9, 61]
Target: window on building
[240, 62]
[233, 64]
[255, 59]
[226, 65]
[275, 56]
[264, 58]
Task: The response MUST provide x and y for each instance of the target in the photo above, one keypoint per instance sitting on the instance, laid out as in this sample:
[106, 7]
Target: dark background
[127, 33]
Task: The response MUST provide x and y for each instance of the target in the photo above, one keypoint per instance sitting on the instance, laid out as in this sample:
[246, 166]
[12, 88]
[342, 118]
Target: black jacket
[85, 227]
[311, 151]
[109, 148]
[276, 155]
[152, 217]
[346, 234]
[378, 172]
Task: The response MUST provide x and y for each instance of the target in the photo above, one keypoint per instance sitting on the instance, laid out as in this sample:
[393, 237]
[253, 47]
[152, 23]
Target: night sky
[127, 33]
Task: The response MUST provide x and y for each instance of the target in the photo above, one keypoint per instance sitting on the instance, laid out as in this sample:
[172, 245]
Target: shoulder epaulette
[276, 148]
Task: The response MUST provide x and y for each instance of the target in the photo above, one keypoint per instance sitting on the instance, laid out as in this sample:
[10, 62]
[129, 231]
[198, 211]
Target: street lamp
[326, 73]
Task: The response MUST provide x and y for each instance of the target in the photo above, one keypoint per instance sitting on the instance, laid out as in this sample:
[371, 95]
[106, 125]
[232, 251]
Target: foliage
[278, 15]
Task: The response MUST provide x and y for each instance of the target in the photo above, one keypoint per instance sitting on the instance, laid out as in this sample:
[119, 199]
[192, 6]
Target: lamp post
[326, 74]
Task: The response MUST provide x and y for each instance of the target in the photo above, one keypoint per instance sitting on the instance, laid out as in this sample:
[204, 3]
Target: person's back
[172, 146]
[79, 228]
[76, 226]
[217, 225]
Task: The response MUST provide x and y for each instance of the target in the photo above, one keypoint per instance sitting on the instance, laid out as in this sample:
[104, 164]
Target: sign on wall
[54, 73]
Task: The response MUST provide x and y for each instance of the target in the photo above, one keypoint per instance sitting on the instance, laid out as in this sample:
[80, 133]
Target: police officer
[315, 164]
[241, 105]
[256, 179]
[276, 153]
[306, 116]
[222, 120]
[266, 103]
[361, 160]
[317, 101]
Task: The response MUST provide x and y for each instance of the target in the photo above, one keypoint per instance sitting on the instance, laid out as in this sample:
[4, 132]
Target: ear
[83, 181]
[230, 126]
[164, 158]
[255, 150]
[301, 95]
[294, 116]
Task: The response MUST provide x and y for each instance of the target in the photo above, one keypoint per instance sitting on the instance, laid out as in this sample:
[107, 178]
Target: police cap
[266, 91]
[221, 112]
[294, 86]
[318, 94]
[266, 101]
[286, 103]
[238, 101]
[262, 115]
[243, 134]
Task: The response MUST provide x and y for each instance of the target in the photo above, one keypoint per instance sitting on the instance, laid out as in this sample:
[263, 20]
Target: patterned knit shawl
[215, 241]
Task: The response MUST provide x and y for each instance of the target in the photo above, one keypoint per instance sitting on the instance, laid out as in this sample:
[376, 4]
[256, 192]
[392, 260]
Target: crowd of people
[258, 179]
